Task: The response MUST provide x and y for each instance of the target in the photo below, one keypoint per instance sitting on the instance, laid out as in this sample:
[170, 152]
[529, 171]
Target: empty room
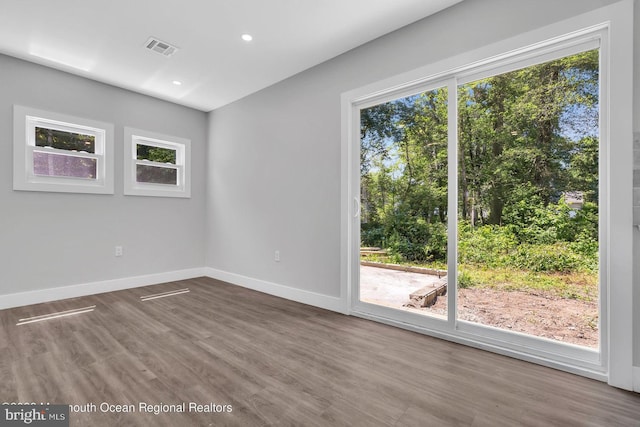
[320, 213]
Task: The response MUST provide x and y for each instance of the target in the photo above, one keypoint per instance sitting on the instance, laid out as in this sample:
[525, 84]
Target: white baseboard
[286, 292]
[636, 379]
[63, 292]
[53, 294]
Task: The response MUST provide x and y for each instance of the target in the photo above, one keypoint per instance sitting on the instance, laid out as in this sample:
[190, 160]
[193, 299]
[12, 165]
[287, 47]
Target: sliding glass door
[479, 203]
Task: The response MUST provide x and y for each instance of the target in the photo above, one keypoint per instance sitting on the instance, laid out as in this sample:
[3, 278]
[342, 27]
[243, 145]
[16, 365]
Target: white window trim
[182, 146]
[613, 26]
[25, 119]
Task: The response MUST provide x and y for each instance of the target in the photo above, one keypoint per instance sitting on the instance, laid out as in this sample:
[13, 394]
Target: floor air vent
[164, 294]
[56, 315]
[158, 46]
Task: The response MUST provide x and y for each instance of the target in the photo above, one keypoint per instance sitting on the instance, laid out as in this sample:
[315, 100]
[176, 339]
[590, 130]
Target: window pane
[50, 164]
[156, 175]
[156, 154]
[528, 206]
[403, 194]
[63, 140]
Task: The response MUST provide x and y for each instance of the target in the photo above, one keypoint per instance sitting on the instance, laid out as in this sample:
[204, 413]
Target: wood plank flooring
[278, 363]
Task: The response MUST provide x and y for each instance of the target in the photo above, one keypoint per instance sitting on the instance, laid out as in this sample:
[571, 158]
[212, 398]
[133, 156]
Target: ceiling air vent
[158, 46]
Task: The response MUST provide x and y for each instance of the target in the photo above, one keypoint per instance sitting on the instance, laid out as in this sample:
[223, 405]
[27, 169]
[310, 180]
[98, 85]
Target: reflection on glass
[156, 175]
[50, 164]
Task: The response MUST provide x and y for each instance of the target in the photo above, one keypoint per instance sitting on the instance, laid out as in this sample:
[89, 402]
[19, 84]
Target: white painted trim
[346, 224]
[452, 200]
[636, 379]
[24, 178]
[294, 294]
[620, 179]
[53, 294]
[182, 146]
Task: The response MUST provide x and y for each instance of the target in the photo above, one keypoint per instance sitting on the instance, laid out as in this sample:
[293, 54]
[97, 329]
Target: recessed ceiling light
[247, 37]
[177, 82]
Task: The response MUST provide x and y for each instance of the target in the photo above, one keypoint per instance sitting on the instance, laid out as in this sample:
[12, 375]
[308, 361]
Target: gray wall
[57, 239]
[274, 157]
[636, 234]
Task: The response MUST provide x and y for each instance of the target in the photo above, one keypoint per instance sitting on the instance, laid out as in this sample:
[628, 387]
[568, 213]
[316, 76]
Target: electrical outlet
[118, 251]
[276, 256]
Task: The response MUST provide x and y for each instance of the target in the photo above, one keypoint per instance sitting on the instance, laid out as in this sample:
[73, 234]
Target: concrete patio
[391, 287]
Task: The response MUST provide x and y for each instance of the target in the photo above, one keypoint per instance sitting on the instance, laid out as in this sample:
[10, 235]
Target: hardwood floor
[277, 362]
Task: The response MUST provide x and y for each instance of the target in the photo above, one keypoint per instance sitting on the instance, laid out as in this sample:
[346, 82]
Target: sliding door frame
[613, 361]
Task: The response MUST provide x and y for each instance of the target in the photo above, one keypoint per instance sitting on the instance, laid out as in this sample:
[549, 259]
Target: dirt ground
[566, 320]
[543, 315]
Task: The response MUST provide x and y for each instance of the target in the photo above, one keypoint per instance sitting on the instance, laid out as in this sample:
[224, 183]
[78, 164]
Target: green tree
[526, 138]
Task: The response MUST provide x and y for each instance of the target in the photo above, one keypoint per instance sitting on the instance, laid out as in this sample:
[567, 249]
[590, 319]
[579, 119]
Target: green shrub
[486, 245]
[531, 221]
[436, 246]
[534, 237]
[556, 257]
[406, 249]
[372, 234]
[414, 239]
[493, 246]
[586, 248]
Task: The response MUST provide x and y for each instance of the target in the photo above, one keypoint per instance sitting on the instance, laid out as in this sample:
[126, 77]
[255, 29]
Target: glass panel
[528, 200]
[63, 140]
[156, 175]
[50, 164]
[403, 176]
[155, 154]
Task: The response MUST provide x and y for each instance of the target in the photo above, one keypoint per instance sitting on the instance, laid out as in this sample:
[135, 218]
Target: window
[156, 165]
[55, 152]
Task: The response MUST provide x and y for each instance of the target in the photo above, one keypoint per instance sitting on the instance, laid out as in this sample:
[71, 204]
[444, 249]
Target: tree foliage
[64, 140]
[156, 154]
[527, 141]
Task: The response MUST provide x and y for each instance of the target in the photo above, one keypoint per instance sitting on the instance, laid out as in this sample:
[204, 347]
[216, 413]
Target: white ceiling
[105, 40]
